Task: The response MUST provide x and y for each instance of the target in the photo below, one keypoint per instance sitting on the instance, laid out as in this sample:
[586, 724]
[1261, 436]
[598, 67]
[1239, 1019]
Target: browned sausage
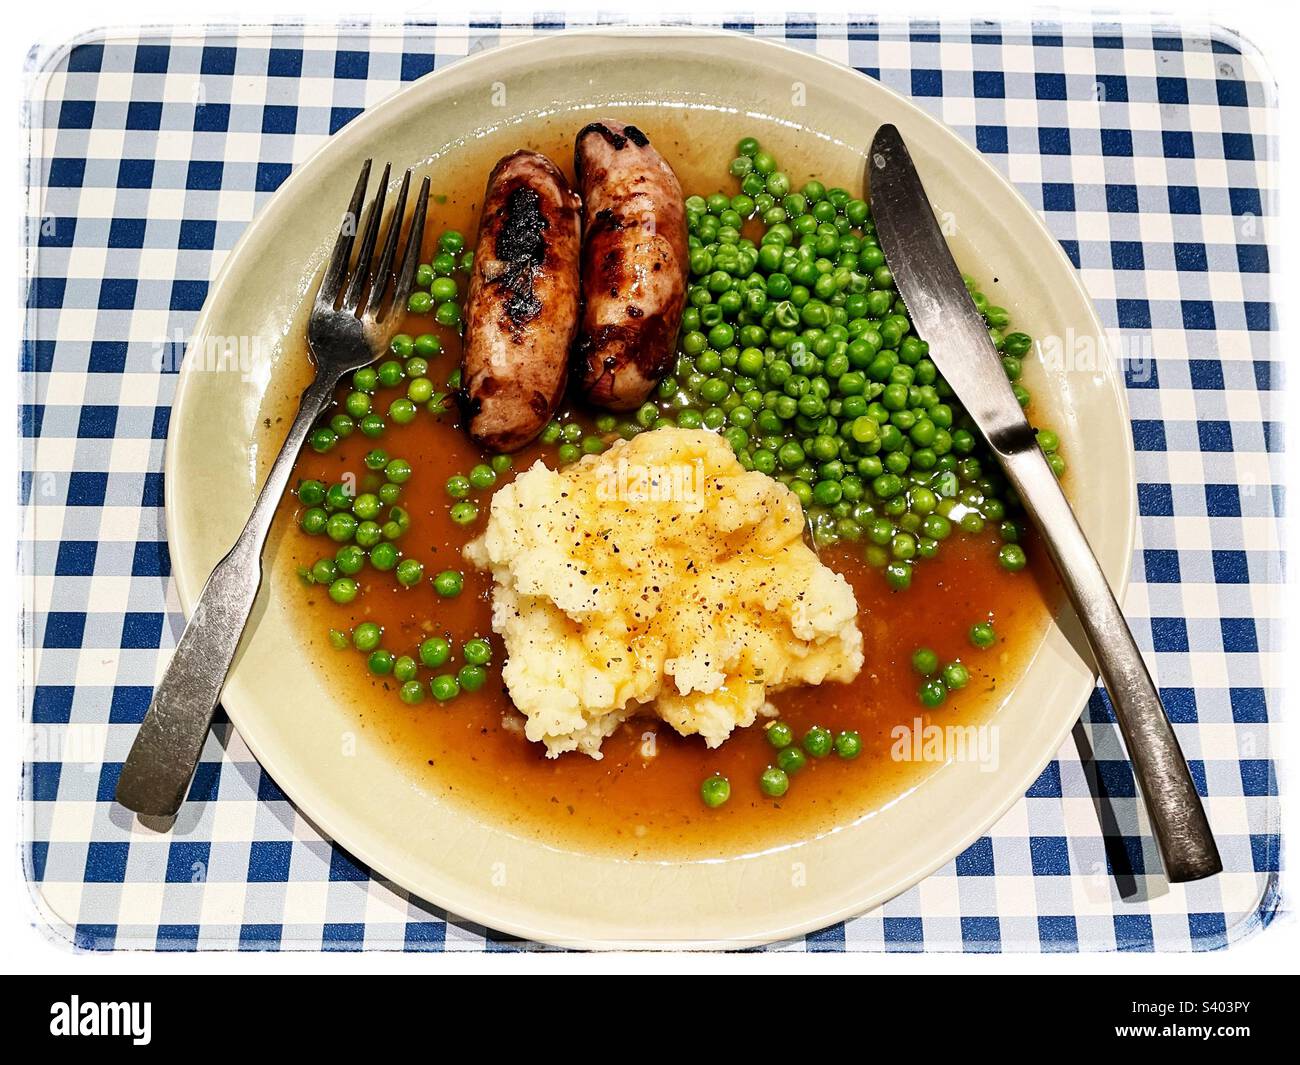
[522, 309]
[633, 265]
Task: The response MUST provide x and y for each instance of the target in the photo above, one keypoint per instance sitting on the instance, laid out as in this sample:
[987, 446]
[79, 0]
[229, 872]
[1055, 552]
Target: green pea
[791, 759]
[464, 513]
[458, 486]
[903, 546]
[887, 485]
[311, 493]
[366, 636]
[448, 314]
[399, 517]
[982, 635]
[366, 506]
[827, 493]
[803, 491]
[774, 782]
[715, 790]
[398, 471]
[341, 527]
[848, 744]
[482, 476]
[401, 345]
[338, 640]
[956, 676]
[933, 692]
[477, 652]
[924, 661]
[411, 692]
[721, 336]
[1011, 557]
[381, 662]
[790, 455]
[409, 572]
[357, 404]
[922, 501]
[936, 526]
[448, 583]
[817, 741]
[324, 570]
[471, 677]
[389, 493]
[1017, 344]
[428, 346]
[420, 390]
[444, 687]
[898, 575]
[383, 557]
[338, 497]
[350, 559]
[343, 590]
[364, 379]
[402, 411]
[435, 651]
[419, 302]
[780, 735]
[391, 372]
[323, 439]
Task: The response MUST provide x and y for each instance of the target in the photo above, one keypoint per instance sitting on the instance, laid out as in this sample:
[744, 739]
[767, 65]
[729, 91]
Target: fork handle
[1182, 831]
[160, 765]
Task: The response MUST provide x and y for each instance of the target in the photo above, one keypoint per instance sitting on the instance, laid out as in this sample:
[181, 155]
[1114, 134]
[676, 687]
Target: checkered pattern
[1149, 154]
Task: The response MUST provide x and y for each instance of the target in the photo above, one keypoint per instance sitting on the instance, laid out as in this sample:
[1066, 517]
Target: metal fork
[349, 327]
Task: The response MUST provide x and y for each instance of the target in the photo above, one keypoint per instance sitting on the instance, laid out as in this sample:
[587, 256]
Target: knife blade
[960, 347]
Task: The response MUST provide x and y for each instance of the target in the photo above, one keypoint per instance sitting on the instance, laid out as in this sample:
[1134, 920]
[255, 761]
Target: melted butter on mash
[659, 577]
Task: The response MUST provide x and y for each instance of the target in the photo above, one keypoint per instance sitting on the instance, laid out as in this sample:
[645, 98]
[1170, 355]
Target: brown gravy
[642, 799]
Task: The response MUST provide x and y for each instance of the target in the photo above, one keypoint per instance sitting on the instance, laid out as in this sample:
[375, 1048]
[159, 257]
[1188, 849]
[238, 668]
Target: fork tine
[414, 241]
[379, 276]
[329, 286]
[361, 270]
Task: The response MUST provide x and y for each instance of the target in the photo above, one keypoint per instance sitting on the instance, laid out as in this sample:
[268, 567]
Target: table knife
[960, 347]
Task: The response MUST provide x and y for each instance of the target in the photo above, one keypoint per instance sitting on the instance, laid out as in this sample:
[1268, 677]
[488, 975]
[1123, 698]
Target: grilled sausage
[522, 309]
[634, 263]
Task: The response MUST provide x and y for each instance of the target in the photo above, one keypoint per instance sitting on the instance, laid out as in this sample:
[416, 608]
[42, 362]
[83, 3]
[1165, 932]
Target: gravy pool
[642, 799]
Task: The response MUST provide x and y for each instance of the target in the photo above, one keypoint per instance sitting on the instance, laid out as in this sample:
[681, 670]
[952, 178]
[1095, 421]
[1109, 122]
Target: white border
[44, 27]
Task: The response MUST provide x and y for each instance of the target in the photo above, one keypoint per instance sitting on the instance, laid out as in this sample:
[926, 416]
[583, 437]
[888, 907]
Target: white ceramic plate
[808, 109]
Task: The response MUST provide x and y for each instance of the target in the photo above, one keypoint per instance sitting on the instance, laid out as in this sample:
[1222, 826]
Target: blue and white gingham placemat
[1151, 155]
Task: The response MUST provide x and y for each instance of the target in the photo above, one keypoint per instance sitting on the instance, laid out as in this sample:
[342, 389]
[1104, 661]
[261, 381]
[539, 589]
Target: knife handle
[1182, 831]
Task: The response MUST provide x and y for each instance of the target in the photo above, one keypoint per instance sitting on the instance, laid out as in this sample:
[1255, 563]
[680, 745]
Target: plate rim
[466, 908]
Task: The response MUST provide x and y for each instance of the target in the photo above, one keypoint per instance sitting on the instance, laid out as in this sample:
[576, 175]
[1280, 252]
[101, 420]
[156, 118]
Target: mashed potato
[658, 577]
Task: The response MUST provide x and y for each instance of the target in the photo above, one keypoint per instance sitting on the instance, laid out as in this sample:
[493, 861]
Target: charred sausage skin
[522, 309]
[634, 264]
